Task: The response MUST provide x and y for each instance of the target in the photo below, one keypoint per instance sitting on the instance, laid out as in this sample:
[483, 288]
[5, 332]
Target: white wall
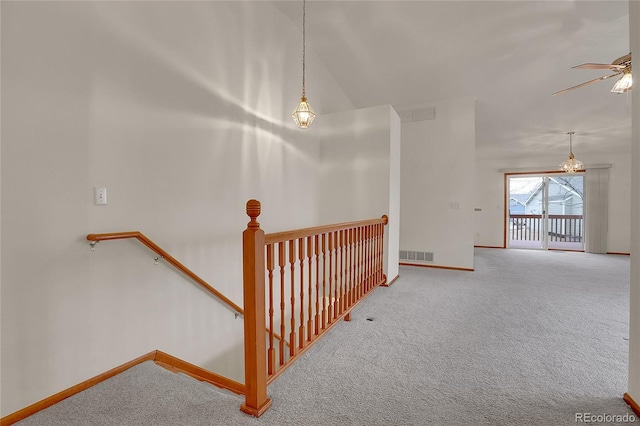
[438, 169]
[489, 186]
[359, 171]
[634, 315]
[182, 111]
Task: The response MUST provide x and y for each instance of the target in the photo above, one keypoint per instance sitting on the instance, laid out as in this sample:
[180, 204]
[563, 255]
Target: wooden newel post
[255, 347]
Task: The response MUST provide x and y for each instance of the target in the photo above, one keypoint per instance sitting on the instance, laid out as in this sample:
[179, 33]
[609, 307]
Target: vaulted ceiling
[508, 55]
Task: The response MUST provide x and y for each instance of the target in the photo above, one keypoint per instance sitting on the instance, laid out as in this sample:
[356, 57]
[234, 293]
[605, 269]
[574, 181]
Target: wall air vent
[416, 256]
[421, 114]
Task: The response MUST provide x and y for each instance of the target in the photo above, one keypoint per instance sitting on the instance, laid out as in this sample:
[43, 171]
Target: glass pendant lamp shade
[624, 84]
[571, 165]
[303, 114]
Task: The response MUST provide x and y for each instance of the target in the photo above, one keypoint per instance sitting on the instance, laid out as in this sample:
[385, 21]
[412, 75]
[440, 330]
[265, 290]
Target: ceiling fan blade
[586, 83]
[590, 66]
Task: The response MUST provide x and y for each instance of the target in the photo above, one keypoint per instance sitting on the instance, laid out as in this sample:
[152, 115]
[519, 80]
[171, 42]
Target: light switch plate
[100, 196]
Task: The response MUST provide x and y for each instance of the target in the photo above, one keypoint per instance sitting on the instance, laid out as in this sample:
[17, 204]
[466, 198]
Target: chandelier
[571, 165]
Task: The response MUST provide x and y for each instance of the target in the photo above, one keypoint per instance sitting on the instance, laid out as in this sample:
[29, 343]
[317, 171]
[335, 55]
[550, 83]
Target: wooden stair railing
[94, 238]
[323, 272]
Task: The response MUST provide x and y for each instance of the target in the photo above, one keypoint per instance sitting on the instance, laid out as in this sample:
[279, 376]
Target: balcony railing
[560, 228]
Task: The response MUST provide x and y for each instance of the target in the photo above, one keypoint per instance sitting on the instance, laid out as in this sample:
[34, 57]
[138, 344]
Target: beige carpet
[529, 338]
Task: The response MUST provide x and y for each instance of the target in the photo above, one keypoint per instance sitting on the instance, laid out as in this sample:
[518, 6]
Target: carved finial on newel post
[255, 351]
[253, 211]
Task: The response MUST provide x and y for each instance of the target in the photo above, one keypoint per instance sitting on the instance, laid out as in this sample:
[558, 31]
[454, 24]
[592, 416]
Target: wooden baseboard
[619, 253]
[54, 399]
[177, 365]
[492, 247]
[389, 283]
[162, 359]
[634, 405]
[453, 268]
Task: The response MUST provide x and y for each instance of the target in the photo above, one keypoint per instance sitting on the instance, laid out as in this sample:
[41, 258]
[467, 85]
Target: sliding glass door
[565, 221]
[546, 212]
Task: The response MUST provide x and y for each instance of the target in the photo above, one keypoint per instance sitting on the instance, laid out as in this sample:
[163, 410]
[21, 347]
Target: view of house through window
[546, 211]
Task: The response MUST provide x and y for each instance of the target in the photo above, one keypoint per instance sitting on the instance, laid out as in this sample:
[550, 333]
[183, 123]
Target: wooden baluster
[346, 279]
[372, 255]
[255, 357]
[281, 263]
[380, 252]
[316, 318]
[360, 263]
[310, 289]
[375, 254]
[336, 294]
[331, 285]
[344, 290]
[378, 256]
[344, 271]
[292, 262]
[354, 265]
[348, 302]
[324, 281]
[301, 257]
[352, 284]
[365, 259]
[271, 352]
[355, 257]
[340, 256]
[363, 263]
[339, 273]
[369, 257]
[356, 282]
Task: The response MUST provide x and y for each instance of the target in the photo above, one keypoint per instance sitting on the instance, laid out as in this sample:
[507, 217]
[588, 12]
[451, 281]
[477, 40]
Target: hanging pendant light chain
[304, 43]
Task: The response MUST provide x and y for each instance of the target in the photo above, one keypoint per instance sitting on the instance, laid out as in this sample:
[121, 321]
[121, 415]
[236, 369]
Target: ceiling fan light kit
[624, 84]
[622, 65]
[571, 165]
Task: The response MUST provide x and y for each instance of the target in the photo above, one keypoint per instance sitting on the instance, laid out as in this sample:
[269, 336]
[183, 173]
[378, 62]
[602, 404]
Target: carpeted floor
[529, 338]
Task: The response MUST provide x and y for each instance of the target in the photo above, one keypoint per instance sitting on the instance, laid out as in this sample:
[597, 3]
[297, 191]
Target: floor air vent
[416, 256]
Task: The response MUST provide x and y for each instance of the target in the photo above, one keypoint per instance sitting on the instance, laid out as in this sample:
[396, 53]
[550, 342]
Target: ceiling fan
[622, 65]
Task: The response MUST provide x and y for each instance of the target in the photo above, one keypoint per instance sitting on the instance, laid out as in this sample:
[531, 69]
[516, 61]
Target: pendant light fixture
[571, 165]
[303, 115]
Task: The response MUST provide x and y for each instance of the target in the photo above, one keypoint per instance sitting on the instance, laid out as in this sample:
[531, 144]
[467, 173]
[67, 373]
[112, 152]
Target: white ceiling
[508, 55]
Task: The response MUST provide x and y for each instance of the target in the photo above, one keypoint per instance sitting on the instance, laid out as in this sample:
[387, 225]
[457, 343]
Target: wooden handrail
[278, 237]
[170, 259]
